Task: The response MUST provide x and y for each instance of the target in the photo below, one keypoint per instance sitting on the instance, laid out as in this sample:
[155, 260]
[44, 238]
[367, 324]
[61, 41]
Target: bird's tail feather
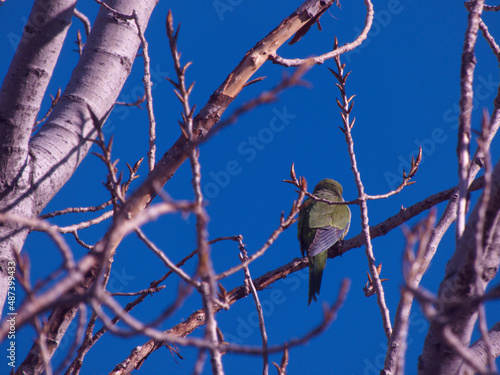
[316, 266]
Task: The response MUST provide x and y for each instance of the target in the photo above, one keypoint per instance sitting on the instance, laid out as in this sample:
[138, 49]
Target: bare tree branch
[480, 226]
[149, 96]
[414, 267]
[345, 110]
[21, 95]
[197, 318]
[481, 352]
[262, 325]
[459, 283]
[464, 119]
[276, 59]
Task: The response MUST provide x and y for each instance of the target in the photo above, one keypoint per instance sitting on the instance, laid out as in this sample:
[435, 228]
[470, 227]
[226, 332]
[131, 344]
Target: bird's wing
[324, 215]
[324, 239]
[332, 223]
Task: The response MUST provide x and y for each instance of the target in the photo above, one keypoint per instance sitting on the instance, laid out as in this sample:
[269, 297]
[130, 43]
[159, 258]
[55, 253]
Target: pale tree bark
[20, 97]
[33, 170]
[459, 286]
[480, 350]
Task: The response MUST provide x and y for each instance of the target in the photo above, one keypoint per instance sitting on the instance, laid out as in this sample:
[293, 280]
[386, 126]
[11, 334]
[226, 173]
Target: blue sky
[406, 81]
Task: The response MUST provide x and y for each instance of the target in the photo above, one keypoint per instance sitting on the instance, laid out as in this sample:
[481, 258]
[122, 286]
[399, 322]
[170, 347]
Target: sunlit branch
[276, 59]
[464, 118]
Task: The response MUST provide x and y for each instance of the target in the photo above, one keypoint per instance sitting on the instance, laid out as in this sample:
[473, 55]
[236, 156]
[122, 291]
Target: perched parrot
[320, 226]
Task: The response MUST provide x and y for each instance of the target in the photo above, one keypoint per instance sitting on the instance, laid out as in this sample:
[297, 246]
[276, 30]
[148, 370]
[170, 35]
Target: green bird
[320, 226]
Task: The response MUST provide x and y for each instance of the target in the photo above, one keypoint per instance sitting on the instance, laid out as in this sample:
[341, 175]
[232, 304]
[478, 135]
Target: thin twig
[42, 345]
[113, 182]
[276, 59]
[200, 362]
[149, 96]
[205, 268]
[260, 314]
[70, 210]
[80, 242]
[84, 19]
[329, 315]
[149, 290]
[160, 254]
[345, 110]
[85, 224]
[137, 103]
[53, 103]
[82, 320]
[42, 226]
[114, 11]
[489, 38]
[180, 86]
[284, 223]
[207, 287]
